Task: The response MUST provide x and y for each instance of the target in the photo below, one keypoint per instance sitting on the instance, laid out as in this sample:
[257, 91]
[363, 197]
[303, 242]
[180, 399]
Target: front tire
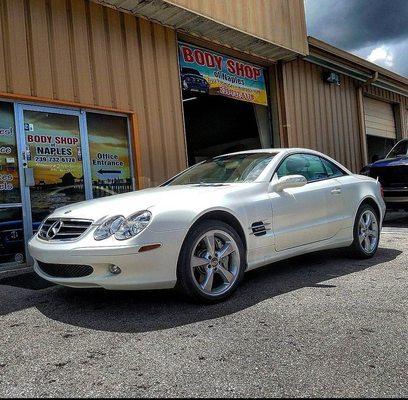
[211, 263]
[366, 233]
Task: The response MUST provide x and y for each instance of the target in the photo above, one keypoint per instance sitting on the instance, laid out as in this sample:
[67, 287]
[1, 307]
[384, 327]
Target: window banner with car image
[206, 72]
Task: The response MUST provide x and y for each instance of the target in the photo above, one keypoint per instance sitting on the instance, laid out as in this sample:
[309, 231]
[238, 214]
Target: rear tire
[211, 263]
[366, 233]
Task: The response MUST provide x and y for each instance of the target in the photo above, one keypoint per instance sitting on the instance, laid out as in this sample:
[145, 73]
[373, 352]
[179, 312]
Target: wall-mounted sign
[207, 72]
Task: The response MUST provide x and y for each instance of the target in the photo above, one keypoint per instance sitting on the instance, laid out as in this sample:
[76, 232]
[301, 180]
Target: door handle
[29, 177]
[336, 191]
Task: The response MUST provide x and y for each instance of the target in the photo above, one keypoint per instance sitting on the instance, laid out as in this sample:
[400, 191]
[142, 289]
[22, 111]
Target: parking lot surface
[316, 325]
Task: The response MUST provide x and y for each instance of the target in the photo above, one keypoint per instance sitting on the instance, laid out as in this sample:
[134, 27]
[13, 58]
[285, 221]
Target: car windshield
[234, 168]
[400, 149]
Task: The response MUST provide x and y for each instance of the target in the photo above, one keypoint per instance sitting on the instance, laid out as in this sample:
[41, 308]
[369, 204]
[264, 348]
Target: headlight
[108, 228]
[133, 225]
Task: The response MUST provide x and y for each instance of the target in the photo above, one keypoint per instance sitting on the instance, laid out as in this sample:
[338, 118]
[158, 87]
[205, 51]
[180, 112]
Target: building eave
[341, 61]
[191, 23]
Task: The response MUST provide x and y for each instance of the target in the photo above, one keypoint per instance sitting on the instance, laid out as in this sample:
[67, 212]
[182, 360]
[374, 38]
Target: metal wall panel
[81, 52]
[321, 116]
[281, 22]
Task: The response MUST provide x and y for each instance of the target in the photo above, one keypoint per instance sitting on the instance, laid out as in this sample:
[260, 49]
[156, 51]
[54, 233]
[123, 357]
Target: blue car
[12, 244]
[392, 172]
[193, 81]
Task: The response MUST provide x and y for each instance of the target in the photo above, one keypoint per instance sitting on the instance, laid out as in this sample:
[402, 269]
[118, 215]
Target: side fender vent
[259, 228]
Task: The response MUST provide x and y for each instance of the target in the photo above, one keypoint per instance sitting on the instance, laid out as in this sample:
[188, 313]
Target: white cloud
[382, 55]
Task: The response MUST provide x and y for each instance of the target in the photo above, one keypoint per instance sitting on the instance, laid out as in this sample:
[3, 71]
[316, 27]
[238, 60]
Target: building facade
[104, 97]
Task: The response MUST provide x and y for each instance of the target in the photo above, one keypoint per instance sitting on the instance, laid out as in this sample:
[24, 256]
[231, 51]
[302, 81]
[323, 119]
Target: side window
[309, 166]
[333, 171]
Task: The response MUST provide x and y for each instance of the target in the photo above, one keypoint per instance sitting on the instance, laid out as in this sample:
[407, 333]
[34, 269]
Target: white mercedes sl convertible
[204, 228]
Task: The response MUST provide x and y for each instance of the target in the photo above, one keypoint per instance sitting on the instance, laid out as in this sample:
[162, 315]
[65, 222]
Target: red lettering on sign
[38, 139]
[249, 72]
[187, 54]
[206, 58]
[231, 66]
[199, 57]
[209, 60]
[218, 61]
[239, 68]
[66, 140]
[257, 73]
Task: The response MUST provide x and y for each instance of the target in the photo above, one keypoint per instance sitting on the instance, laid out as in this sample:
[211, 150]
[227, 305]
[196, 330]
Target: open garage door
[380, 127]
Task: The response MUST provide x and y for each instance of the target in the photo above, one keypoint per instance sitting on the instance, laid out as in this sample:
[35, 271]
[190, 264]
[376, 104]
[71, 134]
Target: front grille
[65, 270]
[64, 229]
[396, 193]
[391, 176]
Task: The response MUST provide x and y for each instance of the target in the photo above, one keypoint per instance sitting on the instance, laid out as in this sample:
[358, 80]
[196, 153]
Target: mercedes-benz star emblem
[54, 229]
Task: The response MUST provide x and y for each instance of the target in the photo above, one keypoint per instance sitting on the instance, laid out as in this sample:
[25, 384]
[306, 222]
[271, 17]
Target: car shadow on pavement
[156, 310]
[396, 220]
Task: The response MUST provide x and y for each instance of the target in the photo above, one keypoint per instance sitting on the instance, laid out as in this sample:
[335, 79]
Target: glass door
[55, 160]
[12, 237]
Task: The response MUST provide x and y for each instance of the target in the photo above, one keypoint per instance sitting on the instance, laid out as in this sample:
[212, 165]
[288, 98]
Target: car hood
[170, 197]
[390, 162]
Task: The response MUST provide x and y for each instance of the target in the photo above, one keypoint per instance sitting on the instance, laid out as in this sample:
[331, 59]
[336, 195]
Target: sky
[376, 30]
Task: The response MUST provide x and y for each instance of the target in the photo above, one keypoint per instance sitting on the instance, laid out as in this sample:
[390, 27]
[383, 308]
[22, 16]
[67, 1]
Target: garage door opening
[225, 104]
[218, 125]
[381, 132]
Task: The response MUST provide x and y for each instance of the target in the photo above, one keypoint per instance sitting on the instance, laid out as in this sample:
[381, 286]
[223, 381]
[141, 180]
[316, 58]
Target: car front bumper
[154, 269]
[396, 198]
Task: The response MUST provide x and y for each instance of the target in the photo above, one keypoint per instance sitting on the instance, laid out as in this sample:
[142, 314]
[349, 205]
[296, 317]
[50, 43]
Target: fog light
[115, 270]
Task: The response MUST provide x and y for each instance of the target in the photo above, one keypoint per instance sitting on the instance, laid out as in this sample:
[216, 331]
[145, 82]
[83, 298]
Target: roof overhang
[191, 23]
[345, 63]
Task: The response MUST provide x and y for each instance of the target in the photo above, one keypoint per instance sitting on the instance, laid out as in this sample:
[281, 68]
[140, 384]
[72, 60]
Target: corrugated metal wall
[321, 116]
[278, 21]
[79, 51]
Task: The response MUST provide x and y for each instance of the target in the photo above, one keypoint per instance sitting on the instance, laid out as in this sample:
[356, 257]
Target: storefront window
[12, 245]
[53, 151]
[109, 154]
[9, 180]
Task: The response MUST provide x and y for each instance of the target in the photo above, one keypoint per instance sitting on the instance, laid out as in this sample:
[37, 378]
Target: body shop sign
[53, 148]
[204, 71]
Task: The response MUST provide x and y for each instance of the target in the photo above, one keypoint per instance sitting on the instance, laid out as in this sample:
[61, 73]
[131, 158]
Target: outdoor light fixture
[332, 78]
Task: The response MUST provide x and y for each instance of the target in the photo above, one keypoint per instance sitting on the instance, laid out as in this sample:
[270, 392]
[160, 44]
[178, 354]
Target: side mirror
[287, 182]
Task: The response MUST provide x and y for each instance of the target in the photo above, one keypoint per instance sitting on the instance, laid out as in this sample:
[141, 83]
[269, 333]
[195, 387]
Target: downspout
[370, 81]
[361, 116]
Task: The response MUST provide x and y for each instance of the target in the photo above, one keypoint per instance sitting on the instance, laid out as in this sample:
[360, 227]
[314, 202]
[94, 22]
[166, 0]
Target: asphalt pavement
[317, 325]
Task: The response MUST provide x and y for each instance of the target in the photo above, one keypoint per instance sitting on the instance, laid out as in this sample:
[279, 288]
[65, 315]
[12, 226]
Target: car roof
[277, 151]
[292, 150]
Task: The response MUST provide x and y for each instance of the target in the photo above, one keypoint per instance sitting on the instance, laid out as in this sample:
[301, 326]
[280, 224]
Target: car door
[299, 215]
[338, 199]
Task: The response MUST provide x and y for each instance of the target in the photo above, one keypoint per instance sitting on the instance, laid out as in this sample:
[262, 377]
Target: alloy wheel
[368, 231]
[215, 262]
